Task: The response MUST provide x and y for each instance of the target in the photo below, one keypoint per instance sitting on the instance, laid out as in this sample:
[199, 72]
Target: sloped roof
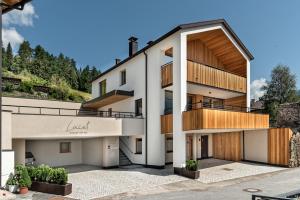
[180, 27]
[8, 5]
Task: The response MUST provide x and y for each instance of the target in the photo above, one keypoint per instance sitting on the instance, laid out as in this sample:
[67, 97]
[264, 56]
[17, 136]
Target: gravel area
[226, 170]
[91, 182]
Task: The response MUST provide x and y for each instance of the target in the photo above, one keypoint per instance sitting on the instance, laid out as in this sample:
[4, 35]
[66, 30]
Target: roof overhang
[8, 5]
[109, 98]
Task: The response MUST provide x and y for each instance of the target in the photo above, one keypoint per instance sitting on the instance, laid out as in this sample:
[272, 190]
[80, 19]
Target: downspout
[146, 108]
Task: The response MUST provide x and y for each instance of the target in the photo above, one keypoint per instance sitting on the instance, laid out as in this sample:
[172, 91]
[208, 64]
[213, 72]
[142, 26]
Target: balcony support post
[179, 100]
[248, 86]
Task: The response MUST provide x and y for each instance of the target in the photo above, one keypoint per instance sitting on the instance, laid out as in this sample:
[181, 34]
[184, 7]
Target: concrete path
[273, 184]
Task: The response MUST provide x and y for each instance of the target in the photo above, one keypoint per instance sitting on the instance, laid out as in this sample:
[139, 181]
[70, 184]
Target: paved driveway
[91, 182]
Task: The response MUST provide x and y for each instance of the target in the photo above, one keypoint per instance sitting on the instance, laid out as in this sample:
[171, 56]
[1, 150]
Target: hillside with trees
[36, 73]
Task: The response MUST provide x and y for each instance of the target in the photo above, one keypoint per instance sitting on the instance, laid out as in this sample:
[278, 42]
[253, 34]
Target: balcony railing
[207, 116]
[206, 75]
[35, 110]
[166, 74]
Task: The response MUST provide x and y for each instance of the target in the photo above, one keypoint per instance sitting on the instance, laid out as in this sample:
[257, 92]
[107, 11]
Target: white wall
[47, 152]
[18, 146]
[6, 131]
[8, 163]
[110, 152]
[92, 151]
[256, 145]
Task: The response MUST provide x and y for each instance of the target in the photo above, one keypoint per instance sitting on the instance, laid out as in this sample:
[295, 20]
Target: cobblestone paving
[89, 182]
[220, 170]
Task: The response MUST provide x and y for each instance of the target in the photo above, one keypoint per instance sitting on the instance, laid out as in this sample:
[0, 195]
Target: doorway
[204, 146]
[189, 147]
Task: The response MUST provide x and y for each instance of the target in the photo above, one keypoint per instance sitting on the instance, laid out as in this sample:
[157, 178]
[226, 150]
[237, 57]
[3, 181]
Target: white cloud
[11, 35]
[256, 88]
[20, 17]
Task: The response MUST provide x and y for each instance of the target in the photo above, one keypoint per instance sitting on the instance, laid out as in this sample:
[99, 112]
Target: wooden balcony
[167, 75]
[205, 75]
[206, 118]
[166, 123]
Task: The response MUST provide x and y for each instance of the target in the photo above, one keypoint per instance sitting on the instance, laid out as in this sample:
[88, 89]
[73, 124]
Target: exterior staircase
[123, 159]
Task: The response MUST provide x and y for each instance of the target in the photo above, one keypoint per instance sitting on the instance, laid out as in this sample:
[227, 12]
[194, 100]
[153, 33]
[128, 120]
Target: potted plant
[23, 178]
[190, 170]
[12, 183]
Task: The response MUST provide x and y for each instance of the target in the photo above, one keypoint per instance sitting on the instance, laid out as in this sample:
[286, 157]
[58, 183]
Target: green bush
[192, 165]
[12, 180]
[58, 176]
[26, 87]
[44, 173]
[8, 87]
[22, 176]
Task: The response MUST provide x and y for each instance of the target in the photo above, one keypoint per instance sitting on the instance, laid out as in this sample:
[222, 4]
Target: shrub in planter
[12, 183]
[58, 176]
[191, 165]
[23, 178]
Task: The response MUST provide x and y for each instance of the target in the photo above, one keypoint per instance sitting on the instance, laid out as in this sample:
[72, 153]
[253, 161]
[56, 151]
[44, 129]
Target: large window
[169, 145]
[138, 107]
[213, 102]
[102, 86]
[168, 102]
[139, 145]
[123, 77]
[65, 147]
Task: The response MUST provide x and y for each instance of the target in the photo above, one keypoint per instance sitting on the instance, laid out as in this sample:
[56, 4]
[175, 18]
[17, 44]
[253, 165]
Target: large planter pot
[187, 173]
[23, 190]
[12, 188]
[51, 188]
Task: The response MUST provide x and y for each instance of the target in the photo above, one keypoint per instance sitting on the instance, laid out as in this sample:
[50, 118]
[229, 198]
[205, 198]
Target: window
[168, 102]
[169, 145]
[65, 147]
[138, 107]
[139, 145]
[123, 77]
[213, 102]
[102, 86]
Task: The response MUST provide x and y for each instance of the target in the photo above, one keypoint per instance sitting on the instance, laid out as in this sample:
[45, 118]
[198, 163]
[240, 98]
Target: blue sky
[95, 32]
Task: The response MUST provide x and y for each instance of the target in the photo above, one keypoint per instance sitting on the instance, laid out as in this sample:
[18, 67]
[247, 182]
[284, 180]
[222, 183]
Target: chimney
[133, 45]
[117, 61]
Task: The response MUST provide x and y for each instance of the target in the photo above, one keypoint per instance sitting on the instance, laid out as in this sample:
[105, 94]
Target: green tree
[9, 57]
[84, 79]
[281, 89]
[25, 54]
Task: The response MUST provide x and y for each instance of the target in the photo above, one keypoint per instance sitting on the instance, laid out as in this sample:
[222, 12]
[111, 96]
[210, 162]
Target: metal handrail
[76, 112]
[124, 144]
[200, 104]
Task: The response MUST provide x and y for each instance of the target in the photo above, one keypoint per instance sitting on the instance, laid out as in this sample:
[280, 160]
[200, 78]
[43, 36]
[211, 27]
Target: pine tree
[25, 54]
[9, 57]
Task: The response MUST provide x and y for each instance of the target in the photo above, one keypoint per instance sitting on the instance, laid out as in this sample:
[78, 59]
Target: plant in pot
[191, 165]
[23, 178]
[12, 183]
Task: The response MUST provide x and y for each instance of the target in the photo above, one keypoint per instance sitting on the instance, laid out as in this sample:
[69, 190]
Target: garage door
[227, 146]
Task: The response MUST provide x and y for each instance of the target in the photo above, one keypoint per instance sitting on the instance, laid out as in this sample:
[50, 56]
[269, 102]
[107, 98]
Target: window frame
[102, 87]
[69, 147]
[138, 140]
[123, 79]
[137, 103]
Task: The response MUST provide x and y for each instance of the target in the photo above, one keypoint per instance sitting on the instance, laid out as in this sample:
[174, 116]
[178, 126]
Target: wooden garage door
[278, 146]
[227, 146]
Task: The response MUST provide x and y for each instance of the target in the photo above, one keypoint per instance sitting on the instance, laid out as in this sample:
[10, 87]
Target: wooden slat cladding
[217, 43]
[278, 146]
[221, 119]
[227, 146]
[202, 74]
[166, 75]
[237, 103]
[197, 51]
[166, 123]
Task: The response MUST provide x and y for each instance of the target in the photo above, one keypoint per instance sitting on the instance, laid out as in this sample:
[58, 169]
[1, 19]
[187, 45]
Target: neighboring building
[184, 96]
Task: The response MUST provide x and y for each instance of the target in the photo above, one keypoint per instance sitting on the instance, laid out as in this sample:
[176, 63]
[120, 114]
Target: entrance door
[189, 147]
[204, 146]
